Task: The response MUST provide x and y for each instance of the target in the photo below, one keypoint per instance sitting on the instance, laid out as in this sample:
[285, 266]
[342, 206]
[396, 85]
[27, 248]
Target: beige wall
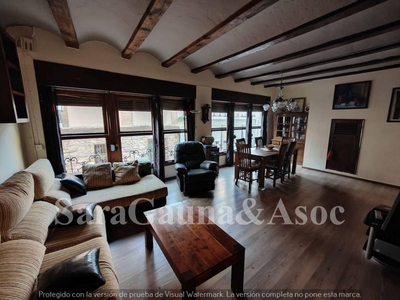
[379, 154]
[11, 156]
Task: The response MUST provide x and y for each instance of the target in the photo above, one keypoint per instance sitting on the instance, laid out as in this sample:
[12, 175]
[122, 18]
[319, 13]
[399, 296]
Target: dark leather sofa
[194, 173]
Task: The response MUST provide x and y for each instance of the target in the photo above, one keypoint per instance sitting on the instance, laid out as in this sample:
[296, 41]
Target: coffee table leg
[188, 289]
[238, 274]
[149, 238]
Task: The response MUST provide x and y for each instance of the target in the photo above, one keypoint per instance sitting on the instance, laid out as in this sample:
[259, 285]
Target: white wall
[379, 154]
[203, 96]
[11, 155]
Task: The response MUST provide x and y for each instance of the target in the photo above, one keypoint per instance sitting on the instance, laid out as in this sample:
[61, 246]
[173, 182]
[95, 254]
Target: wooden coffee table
[197, 250]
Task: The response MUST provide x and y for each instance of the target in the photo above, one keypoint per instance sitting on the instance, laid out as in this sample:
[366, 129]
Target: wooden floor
[294, 258]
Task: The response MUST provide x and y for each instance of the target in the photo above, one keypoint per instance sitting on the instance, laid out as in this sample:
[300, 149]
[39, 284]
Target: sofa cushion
[149, 187]
[67, 236]
[19, 267]
[192, 164]
[74, 184]
[78, 214]
[97, 175]
[58, 195]
[35, 225]
[105, 262]
[126, 173]
[43, 175]
[16, 197]
[79, 274]
[199, 175]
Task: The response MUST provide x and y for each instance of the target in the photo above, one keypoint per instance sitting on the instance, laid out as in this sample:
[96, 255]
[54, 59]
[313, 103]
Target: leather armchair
[383, 242]
[193, 172]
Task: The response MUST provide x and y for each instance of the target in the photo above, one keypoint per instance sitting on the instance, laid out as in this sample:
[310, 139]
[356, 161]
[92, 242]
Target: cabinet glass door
[299, 127]
[283, 127]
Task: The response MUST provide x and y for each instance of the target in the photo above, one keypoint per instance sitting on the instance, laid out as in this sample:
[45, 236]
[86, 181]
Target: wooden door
[344, 145]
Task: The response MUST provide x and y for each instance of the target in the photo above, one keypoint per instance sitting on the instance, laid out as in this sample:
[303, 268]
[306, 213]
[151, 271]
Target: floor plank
[305, 257]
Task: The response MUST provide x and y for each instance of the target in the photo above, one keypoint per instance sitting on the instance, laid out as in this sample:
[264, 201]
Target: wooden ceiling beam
[149, 20]
[323, 62]
[319, 48]
[239, 17]
[324, 20]
[334, 75]
[336, 69]
[62, 15]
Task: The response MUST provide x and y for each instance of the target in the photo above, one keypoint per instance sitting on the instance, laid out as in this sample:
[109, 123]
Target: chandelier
[280, 103]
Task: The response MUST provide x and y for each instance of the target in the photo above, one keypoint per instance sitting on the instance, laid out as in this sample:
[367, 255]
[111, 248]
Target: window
[135, 127]
[256, 123]
[83, 134]
[240, 119]
[219, 122]
[174, 124]
[91, 123]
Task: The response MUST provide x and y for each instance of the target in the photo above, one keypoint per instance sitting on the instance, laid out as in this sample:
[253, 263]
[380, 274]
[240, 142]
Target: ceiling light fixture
[266, 106]
[280, 103]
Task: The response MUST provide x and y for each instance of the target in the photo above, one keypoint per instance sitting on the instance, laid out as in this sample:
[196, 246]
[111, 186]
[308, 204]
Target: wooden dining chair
[246, 166]
[240, 141]
[259, 142]
[286, 140]
[274, 168]
[288, 158]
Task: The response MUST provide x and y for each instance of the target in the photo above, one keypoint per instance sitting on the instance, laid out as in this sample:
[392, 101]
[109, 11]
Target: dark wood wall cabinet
[294, 126]
[13, 106]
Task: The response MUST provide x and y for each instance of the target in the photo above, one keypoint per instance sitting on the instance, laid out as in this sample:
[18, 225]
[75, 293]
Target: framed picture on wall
[300, 104]
[394, 108]
[351, 95]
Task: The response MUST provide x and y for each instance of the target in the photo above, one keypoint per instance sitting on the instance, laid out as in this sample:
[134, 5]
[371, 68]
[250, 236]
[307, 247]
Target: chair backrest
[244, 155]
[286, 140]
[258, 141]
[240, 141]
[392, 221]
[281, 156]
[290, 150]
[191, 154]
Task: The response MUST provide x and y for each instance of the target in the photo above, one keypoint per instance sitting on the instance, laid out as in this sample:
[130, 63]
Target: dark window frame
[134, 103]
[78, 98]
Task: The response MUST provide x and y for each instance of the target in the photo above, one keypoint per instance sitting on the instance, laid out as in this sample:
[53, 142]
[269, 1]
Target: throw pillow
[97, 175]
[126, 173]
[74, 184]
[77, 214]
[144, 167]
[78, 274]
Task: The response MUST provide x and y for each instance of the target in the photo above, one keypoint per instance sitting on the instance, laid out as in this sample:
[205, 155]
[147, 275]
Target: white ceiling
[114, 21]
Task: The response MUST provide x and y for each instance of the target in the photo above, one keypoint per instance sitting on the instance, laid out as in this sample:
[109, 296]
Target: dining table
[263, 155]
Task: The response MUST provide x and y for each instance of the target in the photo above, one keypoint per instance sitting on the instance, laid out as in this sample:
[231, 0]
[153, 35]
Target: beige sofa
[29, 247]
[50, 189]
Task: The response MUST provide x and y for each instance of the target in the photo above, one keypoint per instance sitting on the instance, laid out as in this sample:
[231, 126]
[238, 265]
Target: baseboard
[353, 177]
